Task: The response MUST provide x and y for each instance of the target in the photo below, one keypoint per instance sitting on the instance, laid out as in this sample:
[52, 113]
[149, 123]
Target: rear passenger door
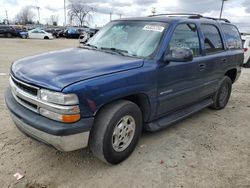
[214, 57]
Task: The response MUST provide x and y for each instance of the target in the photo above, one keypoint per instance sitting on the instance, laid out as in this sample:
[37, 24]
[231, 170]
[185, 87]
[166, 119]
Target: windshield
[133, 38]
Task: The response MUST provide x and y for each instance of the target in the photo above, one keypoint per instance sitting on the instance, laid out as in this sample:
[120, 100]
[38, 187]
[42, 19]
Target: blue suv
[134, 74]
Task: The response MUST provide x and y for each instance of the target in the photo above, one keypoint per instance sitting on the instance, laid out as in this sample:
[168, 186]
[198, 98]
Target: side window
[232, 36]
[213, 41]
[186, 35]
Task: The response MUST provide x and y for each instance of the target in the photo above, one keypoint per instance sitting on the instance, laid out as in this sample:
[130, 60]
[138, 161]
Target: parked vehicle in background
[23, 34]
[39, 34]
[134, 74]
[8, 31]
[246, 47]
[61, 33]
[72, 33]
[84, 38]
[87, 35]
[52, 31]
[21, 31]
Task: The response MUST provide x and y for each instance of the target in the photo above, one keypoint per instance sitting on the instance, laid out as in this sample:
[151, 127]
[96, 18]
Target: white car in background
[39, 34]
[84, 38]
[246, 46]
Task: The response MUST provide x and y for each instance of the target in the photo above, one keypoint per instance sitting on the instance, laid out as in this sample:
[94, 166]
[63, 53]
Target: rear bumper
[64, 137]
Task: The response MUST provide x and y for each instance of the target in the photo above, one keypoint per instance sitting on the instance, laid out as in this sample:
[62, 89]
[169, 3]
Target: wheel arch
[140, 99]
[232, 74]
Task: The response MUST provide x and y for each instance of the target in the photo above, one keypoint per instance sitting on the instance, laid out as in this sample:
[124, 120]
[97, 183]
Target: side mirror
[179, 54]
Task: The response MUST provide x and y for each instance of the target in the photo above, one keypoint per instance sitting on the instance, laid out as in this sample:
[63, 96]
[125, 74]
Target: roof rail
[177, 14]
[192, 16]
[217, 19]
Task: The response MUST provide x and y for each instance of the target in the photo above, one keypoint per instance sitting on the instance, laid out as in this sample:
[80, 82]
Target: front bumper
[63, 136]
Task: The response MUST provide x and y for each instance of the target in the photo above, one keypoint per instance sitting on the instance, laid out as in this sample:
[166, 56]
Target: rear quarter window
[232, 36]
[212, 38]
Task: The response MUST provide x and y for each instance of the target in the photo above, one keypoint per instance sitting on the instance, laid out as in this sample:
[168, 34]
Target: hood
[57, 69]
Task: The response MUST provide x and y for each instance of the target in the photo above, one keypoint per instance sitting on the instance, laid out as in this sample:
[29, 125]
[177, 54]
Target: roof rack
[177, 14]
[192, 16]
[217, 19]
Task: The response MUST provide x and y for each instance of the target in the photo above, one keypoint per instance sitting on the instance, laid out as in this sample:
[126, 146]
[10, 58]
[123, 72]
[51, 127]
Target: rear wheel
[222, 95]
[46, 37]
[8, 35]
[116, 131]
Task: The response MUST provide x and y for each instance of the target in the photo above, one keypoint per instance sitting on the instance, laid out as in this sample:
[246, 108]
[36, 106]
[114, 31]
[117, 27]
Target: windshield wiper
[90, 45]
[118, 51]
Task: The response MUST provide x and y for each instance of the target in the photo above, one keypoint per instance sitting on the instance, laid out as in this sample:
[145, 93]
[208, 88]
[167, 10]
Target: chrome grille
[24, 93]
[27, 88]
[28, 96]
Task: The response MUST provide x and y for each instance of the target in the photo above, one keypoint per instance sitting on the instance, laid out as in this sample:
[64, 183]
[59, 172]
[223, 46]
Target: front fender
[96, 92]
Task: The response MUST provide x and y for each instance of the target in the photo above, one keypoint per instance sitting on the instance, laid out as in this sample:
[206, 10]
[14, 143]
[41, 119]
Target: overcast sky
[237, 11]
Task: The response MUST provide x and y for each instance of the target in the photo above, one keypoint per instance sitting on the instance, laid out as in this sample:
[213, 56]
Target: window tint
[232, 36]
[213, 42]
[186, 35]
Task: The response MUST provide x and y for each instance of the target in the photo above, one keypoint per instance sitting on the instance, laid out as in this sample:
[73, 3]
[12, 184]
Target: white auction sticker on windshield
[156, 28]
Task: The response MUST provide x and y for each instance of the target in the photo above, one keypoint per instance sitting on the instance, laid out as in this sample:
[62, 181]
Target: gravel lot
[208, 149]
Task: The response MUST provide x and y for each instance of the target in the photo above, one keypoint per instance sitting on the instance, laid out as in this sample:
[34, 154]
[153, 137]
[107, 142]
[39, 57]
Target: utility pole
[120, 16]
[222, 6]
[7, 19]
[38, 13]
[65, 19]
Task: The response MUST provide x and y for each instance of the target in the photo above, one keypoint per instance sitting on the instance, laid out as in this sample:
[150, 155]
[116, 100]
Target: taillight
[245, 49]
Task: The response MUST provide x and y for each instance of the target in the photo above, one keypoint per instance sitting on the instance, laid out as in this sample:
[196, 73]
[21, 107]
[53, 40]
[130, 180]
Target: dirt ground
[208, 149]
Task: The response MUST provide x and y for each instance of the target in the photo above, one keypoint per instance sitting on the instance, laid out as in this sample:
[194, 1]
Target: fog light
[60, 117]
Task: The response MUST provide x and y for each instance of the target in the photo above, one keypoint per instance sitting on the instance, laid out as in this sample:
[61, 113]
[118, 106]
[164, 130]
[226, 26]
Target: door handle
[224, 60]
[202, 66]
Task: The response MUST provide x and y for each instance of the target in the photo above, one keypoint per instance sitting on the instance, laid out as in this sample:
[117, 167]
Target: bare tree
[25, 16]
[79, 12]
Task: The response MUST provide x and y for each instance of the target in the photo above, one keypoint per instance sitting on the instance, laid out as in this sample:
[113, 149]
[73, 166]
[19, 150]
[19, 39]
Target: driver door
[178, 82]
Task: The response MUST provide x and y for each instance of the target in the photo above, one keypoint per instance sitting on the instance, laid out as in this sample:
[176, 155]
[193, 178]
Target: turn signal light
[70, 118]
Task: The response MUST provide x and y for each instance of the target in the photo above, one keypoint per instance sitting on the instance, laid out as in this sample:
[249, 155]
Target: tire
[9, 35]
[46, 37]
[108, 128]
[222, 95]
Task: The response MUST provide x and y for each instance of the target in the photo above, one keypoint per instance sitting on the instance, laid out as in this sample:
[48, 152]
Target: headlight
[58, 98]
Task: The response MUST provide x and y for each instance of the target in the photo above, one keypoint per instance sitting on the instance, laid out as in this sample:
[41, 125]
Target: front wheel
[116, 131]
[222, 95]
[8, 35]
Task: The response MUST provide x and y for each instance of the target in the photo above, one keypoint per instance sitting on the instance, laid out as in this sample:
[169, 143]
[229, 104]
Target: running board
[177, 116]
